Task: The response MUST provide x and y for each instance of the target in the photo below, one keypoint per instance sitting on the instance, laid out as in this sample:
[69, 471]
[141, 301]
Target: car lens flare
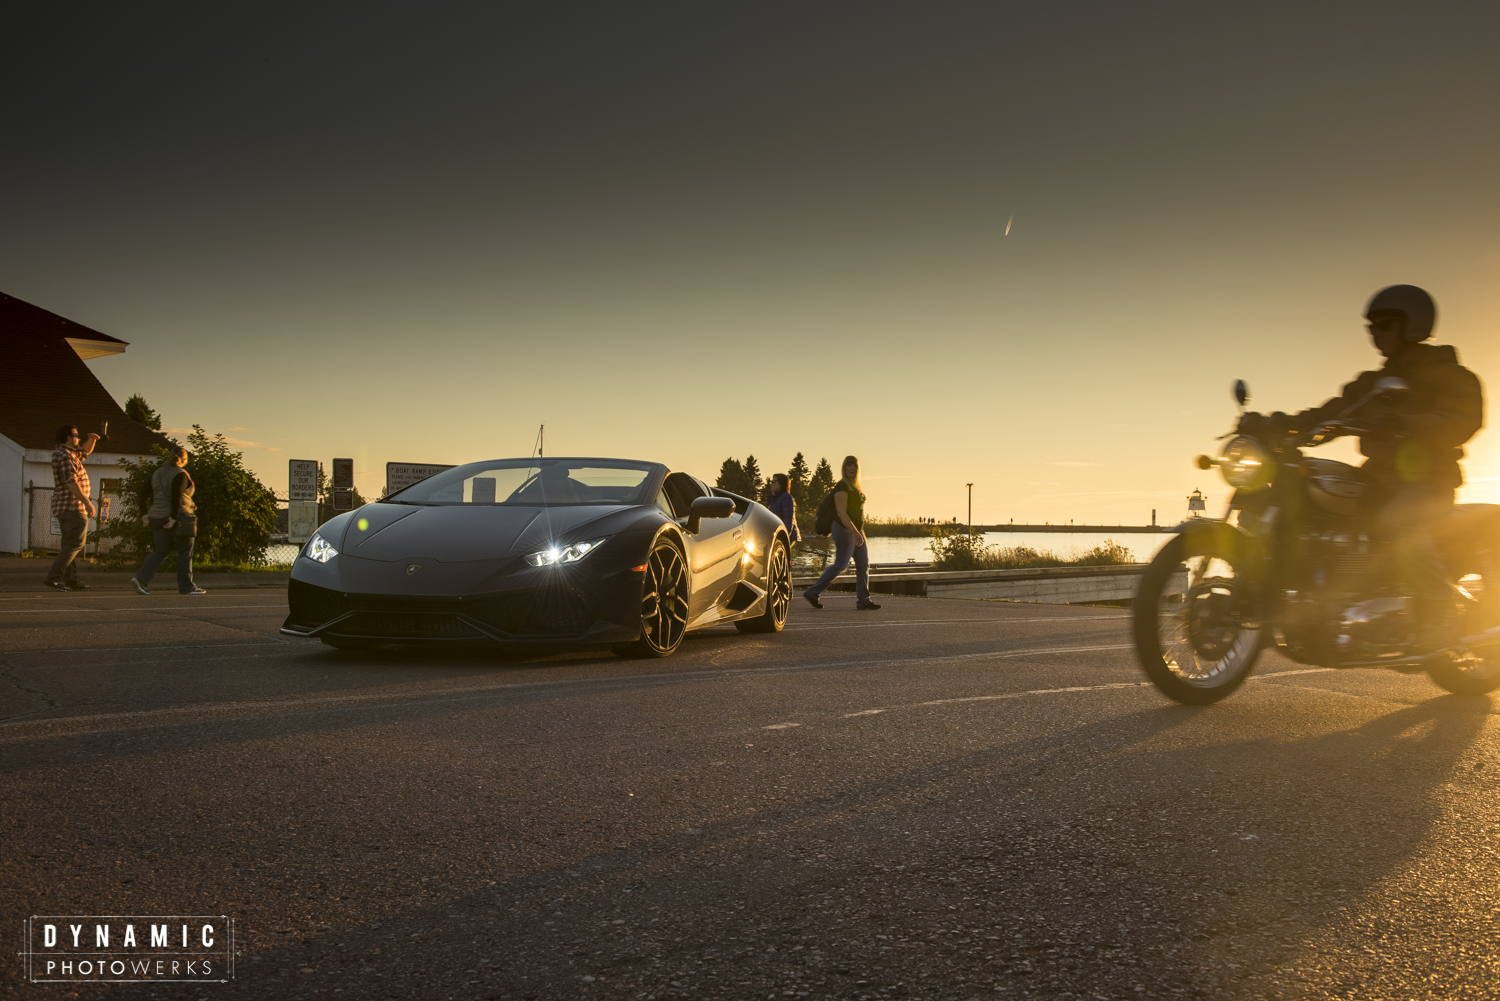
[319, 550]
[557, 555]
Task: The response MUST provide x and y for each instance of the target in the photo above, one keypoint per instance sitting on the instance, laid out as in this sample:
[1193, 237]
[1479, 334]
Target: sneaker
[56, 585]
[814, 602]
[139, 587]
[196, 590]
[77, 585]
[867, 606]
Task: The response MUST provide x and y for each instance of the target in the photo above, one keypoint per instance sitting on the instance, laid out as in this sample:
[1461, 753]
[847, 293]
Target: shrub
[960, 551]
[236, 513]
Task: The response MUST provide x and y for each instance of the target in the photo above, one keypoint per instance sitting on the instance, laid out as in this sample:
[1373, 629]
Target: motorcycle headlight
[556, 555]
[319, 550]
[1245, 463]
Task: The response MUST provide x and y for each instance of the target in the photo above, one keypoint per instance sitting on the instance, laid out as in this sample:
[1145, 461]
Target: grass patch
[961, 551]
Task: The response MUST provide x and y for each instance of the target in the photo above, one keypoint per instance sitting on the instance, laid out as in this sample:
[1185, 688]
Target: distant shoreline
[916, 530]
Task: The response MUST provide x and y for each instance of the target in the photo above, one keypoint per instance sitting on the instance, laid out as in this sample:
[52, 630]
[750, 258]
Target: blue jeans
[843, 549]
[163, 538]
[75, 535]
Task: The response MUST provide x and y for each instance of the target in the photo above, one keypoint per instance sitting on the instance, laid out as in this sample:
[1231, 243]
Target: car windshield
[533, 483]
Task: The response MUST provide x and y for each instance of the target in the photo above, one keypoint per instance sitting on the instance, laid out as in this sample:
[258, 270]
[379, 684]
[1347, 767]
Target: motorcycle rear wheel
[1188, 634]
[1477, 672]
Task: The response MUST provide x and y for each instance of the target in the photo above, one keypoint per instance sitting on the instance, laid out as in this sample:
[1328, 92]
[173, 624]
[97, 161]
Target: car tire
[778, 593]
[664, 602]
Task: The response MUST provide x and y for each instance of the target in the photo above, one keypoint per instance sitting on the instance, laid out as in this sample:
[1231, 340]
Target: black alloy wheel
[664, 603]
[1190, 630]
[778, 593]
[1474, 671]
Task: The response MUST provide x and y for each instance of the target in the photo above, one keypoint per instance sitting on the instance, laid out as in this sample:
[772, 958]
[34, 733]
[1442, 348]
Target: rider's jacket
[1444, 409]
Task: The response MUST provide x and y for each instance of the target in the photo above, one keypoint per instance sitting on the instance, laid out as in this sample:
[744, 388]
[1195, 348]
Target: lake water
[884, 549]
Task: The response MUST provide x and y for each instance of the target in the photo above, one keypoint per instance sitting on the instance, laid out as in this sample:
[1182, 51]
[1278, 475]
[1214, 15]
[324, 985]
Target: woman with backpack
[842, 515]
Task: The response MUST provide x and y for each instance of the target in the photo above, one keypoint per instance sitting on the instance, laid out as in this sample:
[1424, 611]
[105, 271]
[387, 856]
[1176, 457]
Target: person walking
[71, 506]
[784, 505]
[848, 540]
[173, 519]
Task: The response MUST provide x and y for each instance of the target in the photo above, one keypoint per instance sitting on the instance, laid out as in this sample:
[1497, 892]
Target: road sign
[301, 521]
[302, 480]
[343, 474]
[400, 475]
[343, 500]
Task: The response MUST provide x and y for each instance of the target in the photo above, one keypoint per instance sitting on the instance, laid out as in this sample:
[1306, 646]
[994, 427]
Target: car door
[713, 552]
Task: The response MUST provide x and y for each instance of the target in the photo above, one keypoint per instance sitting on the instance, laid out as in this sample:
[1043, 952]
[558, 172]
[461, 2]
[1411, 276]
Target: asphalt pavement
[942, 799]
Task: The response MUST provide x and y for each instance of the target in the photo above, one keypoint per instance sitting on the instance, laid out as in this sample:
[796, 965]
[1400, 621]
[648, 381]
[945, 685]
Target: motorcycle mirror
[1391, 384]
[1242, 392]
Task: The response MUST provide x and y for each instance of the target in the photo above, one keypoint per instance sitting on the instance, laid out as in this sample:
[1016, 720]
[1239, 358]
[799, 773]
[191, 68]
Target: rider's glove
[1266, 426]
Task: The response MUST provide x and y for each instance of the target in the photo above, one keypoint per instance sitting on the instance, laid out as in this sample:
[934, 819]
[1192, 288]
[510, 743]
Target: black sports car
[607, 552]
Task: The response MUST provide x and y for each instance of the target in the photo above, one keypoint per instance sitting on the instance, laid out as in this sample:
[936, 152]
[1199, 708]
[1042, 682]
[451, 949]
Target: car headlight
[1245, 463]
[319, 550]
[555, 555]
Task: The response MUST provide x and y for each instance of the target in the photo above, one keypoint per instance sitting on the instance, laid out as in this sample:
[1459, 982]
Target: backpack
[823, 524]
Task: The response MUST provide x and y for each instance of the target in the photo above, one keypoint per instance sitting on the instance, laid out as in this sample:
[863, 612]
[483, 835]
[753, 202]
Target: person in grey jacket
[173, 518]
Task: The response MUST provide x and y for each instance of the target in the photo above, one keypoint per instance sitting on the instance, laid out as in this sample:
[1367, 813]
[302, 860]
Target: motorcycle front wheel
[1188, 622]
[1475, 671]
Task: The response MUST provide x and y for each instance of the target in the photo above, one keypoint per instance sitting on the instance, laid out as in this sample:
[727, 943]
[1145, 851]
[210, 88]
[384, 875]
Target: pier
[1098, 529]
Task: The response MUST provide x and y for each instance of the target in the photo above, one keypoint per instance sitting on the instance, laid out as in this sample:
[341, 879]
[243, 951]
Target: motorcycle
[1291, 564]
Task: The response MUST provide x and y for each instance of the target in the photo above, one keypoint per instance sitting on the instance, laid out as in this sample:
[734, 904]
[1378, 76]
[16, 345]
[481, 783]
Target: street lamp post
[971, 507]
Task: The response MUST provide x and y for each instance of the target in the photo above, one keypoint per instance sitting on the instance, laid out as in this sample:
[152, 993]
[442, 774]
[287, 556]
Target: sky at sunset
[682, 232]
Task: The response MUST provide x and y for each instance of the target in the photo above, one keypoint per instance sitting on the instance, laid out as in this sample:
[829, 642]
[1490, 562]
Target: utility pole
[971, 508]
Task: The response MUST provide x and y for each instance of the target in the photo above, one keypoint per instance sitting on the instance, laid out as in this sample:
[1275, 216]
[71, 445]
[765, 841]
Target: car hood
[457, 533]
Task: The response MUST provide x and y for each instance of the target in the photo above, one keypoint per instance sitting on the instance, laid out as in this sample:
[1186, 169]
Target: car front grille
[560, 614]
[406, 625]
[311, 606]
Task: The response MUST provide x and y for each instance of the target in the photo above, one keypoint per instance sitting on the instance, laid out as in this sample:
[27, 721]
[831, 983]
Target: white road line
[76, 725]
[116, 595]
[138, 608]
[944, 622]
[144, 649]
[1059, 691]
[1283, 674]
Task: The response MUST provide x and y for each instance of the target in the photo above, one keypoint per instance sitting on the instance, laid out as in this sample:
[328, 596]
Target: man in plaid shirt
[71, 506]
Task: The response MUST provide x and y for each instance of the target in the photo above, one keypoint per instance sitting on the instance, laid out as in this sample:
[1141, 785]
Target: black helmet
[1414, 303]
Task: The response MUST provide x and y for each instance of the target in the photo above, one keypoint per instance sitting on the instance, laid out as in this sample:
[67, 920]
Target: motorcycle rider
[1413, 443]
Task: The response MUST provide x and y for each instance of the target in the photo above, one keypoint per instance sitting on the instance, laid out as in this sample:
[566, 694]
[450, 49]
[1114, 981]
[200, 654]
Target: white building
[47, 385]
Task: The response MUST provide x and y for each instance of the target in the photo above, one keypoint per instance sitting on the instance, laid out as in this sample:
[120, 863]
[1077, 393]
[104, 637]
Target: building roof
[51, 386]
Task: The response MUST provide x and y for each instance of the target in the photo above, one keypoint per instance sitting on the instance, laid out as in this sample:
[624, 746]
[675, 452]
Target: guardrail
[1049, 585]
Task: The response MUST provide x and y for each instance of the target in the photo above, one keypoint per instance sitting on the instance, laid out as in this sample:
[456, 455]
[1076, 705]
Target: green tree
[236, 512]
[817, 488]
[797, 479]
[137, 410]
[753, 482]
[731, 476]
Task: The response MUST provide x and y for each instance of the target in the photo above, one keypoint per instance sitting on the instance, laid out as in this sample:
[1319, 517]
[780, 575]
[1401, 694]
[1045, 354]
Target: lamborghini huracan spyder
[597, 552]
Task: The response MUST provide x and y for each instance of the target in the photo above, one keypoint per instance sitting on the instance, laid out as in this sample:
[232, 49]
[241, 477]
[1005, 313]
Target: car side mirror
[1241, 393]
[708, 507]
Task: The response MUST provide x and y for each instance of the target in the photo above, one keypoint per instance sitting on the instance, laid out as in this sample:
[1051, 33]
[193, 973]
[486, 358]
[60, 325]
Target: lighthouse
[1197, 504]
